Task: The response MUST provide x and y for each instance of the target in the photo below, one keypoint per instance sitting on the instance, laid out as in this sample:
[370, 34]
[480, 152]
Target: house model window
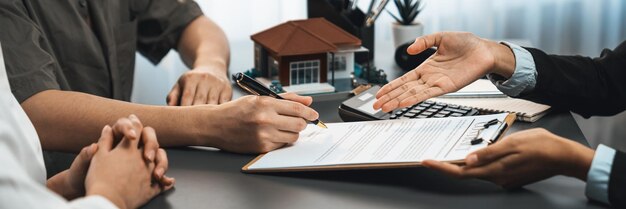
[302, 53]
[304, 72]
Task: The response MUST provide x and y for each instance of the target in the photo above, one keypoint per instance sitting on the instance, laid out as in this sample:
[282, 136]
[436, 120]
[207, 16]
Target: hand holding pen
[257, 124]
[254, 87]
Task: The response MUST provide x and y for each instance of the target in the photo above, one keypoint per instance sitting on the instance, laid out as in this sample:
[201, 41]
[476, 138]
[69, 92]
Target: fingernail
[133, 134]
[159, 172]
[92, 149]
[133, 116]
[172, 180]
[151, 155]
[472, 159]
[428, 163]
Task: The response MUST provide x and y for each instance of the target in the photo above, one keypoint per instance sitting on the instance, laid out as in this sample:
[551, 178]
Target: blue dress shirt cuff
[599, 173]
[523, 79]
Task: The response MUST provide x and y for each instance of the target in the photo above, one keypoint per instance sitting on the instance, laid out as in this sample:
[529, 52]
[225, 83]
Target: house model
[303, 54]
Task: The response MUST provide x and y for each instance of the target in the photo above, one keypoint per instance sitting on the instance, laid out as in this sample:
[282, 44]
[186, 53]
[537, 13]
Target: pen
[370, 20]
[369, 10]
[254, 87]
[354, 4]
[479, 139]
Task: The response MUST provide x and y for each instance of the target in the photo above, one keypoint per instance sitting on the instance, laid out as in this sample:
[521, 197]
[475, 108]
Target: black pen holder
[352, 21]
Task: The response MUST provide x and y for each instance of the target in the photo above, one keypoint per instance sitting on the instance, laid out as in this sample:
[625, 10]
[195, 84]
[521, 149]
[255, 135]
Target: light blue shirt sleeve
[523, 79]
[599, 173]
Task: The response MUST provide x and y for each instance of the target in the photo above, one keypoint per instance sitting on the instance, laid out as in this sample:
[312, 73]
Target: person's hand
[522, 158]
[461, 58]
[258, 124]
[202, 85]
[70, 183]
[131, 128]
[120, 173]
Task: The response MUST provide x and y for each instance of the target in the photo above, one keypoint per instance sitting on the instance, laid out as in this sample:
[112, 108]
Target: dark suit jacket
[587, 86]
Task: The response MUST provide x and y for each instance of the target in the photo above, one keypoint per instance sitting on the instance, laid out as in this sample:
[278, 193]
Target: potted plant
[405, 28]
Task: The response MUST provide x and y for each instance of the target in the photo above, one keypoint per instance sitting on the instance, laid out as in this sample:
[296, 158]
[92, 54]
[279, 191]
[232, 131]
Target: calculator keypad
[430, 109]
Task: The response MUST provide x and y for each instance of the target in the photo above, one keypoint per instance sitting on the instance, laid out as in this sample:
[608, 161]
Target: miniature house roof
[301, 37]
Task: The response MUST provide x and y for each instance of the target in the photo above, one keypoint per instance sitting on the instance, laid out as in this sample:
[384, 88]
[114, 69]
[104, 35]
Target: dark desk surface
[212, 179]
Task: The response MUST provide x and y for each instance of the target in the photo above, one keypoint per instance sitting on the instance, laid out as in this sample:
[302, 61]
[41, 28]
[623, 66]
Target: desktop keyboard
[430, 109]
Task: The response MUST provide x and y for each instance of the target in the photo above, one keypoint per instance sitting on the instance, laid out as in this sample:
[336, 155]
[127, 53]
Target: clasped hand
[126, 166]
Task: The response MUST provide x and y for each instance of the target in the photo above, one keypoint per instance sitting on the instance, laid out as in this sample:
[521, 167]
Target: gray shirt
[86, 45]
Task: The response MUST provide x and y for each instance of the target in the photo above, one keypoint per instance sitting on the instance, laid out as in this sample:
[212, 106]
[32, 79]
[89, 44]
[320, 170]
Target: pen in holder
[479, 138]
[348, 18]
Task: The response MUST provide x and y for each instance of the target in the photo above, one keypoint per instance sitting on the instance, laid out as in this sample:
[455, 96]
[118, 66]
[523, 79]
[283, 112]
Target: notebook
[481, 88]
[524, 110]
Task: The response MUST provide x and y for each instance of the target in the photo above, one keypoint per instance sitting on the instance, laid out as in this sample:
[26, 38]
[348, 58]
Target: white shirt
[22, 171]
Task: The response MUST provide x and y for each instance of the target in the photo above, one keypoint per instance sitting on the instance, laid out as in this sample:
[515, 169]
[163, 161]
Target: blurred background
[568, 27]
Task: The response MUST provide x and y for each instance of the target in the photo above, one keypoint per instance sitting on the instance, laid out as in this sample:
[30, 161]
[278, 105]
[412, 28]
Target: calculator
[360, 108]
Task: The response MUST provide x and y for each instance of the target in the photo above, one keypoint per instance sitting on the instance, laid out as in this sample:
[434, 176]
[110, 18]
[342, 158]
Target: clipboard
[507, 123]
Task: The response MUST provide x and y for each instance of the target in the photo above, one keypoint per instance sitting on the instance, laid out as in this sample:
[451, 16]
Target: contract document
[386, 143]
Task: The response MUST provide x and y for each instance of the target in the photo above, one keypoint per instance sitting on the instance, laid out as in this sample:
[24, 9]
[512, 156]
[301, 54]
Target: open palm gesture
[461, 58]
